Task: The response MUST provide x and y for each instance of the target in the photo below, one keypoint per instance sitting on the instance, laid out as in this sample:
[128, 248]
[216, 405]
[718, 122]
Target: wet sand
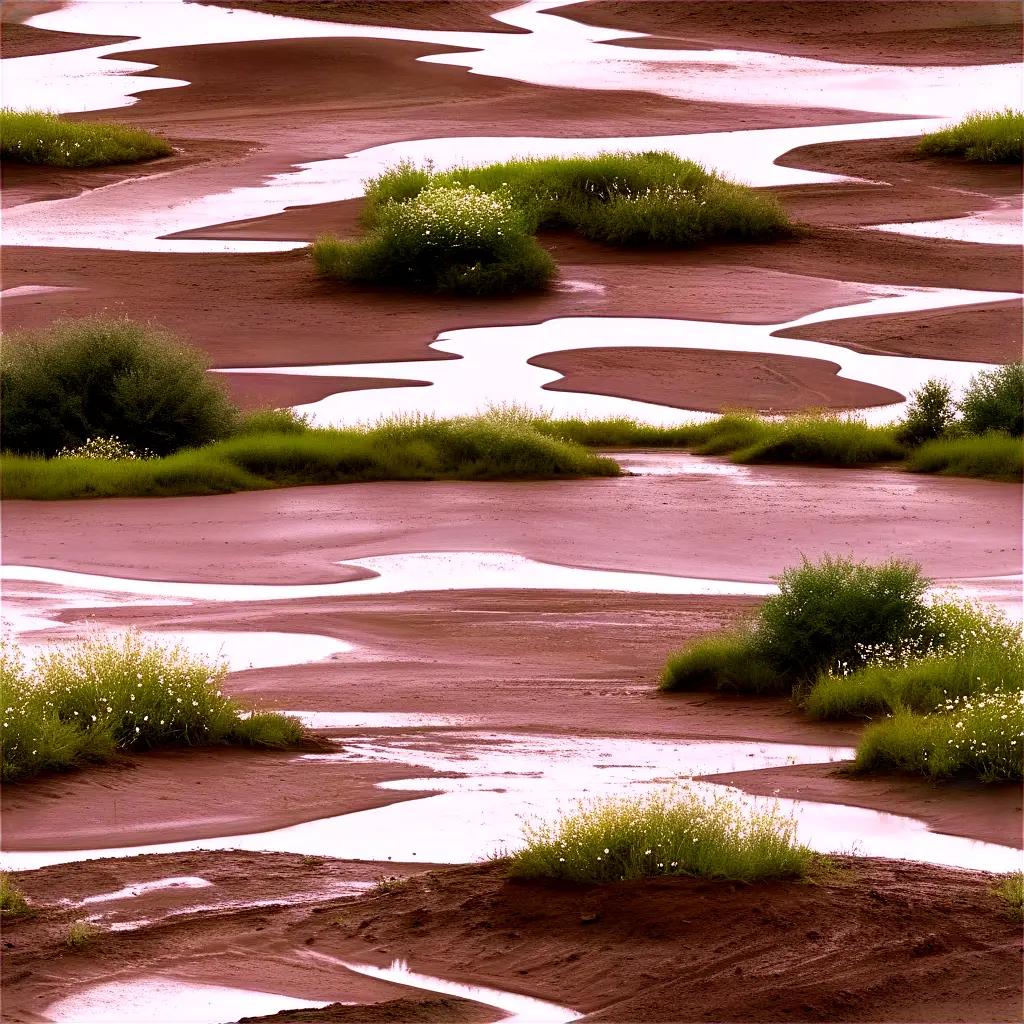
[274, 390]
[19, 40]
[752, 952]
[950, 33]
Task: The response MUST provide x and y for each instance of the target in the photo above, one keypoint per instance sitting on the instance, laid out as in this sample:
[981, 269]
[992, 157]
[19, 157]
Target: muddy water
[494, 367]
[1001, 225]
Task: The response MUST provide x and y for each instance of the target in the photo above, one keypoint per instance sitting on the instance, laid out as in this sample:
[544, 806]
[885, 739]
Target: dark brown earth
[704, 380]
[18, 40]
[904, 942]
[442, 15]
[848, 31]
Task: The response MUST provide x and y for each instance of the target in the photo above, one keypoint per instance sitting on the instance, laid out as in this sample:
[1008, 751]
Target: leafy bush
[112, 449]
[930, 413]
[729, 662]
[652, 198]
[444, 239]
[35, 137]
[617, 840]
[487, 447]
[994, 401]
[12, 902]
[88, 701]
[980, 736]
[103, 377]
[988, 137]
[992, 457]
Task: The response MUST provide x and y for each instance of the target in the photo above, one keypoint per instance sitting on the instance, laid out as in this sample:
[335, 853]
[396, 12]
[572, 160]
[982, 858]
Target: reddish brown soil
[273, 390]
[437, 15]
[848, 31]
[991, 813]
[710, 381]
[188, 794]
[874, 940]
[18, 40]
[953, 528]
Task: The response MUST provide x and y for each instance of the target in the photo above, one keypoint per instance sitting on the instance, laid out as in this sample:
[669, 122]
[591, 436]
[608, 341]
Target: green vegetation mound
[990, 137]
[88, 701]
[677, 834]
[35, 137]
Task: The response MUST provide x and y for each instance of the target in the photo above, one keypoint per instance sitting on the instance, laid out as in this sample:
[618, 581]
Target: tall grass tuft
[624, 839]
[980, 736]
[988, 137]
[12, 901]
[92, 699]
[992, 457]
[1011, 891]
[443, 239]
[107, 377]
[36, 137]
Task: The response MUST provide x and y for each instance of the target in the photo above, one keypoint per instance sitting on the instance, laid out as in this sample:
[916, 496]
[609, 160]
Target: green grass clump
[833, 613]
[987, 137]
[1011, 891]
[980, 736]
[619, 840]
[962, 650]
[105, 377]
[444, 239]
[12, 901]
[36, 137]
[92, 699]
[992, 457]
[494, 445]
[80, 934]
[628, 199]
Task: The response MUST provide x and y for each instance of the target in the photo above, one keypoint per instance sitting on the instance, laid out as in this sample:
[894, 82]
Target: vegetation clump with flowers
[663, 834]
[469, 230]
[37, 137]
[103, 695]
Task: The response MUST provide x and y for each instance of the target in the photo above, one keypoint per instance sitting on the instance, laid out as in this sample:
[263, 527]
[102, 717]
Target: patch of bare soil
[434, 15]
[273, 390]
[902, 941]
[921, 32]
[19, 40]
[711, 381]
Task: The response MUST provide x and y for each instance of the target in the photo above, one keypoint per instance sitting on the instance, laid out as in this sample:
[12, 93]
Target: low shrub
[1011, 891]
[486, 447]
[980, 736]
[987, 137]
[992, 457]
[628, 199]
[80, 934]
[444, 239]
[12, 901]
[272, 421]
[618, 840]
[930, 413]
[92, 699]
[994, 401]
[36, 137]
[727, 662]
[102, 377]
[820, 439]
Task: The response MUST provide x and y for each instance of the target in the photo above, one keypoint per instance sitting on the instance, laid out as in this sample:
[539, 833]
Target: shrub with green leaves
[37, 137]
[104, 377]
[987, 137]
[930, 413]
[675, 834]
[994, 401]
[1011, 891]
[106, 694]
[12, 901]
[448, 238]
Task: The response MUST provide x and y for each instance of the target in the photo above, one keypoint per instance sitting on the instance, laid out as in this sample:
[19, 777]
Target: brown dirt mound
[711, 381]
[848, 31]
[434, 15]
